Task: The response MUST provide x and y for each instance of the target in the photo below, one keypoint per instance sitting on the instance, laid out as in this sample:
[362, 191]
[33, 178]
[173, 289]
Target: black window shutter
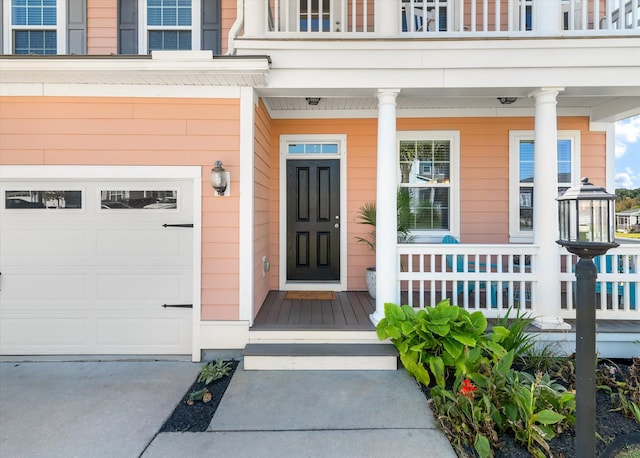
[127, 27]
[211, 27]
[77, 27]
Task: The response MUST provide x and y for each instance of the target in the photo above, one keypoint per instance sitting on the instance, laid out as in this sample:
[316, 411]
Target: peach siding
[228, 16]
[102, 27]
[261, 223]
[484, 174]
[138, 131]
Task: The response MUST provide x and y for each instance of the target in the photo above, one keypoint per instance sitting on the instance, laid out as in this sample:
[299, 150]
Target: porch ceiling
[413, 103]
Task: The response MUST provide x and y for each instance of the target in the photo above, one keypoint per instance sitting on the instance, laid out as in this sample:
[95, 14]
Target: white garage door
[96, 267]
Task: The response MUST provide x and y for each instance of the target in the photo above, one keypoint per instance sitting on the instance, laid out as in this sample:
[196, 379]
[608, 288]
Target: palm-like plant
[367, 216]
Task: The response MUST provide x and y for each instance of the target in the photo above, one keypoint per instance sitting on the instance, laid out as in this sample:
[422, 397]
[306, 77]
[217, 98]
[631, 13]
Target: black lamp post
[586, 216]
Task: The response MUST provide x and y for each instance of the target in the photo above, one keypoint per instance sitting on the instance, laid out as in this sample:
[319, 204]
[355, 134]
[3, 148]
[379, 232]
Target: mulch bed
[197, 417]
[611, 427]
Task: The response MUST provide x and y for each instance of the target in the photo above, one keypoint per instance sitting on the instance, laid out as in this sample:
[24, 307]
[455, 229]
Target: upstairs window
[35, 27]
[152, 25]
[170, 24]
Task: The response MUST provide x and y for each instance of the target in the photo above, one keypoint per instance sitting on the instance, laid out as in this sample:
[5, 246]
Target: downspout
[235, 29]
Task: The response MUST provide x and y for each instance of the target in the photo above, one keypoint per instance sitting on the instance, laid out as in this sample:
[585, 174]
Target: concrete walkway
[116, 408]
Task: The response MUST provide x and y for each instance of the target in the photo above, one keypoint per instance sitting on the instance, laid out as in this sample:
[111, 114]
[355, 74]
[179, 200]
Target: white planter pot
[370, 276]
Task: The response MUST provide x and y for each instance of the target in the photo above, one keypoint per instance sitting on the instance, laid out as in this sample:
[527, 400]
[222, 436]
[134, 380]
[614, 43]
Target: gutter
[235, 29]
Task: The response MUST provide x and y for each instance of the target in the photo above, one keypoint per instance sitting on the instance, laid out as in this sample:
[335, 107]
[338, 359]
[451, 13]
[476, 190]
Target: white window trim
[60, 27]
[341, 155]
[424, 236]
[515, 137]
[195, 28]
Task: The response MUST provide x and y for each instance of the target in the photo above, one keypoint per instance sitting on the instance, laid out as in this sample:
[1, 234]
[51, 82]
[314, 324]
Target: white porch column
[255, 18]
[545, 212]
[387, 18]
[547, 17]
[386, 204]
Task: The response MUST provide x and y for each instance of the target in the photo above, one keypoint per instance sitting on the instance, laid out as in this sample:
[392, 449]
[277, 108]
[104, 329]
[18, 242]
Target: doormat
[310, 295]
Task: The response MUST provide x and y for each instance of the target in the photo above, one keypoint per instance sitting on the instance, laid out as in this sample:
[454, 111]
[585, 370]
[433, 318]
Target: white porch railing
[617, 284]
[435, 17]
[492, 278]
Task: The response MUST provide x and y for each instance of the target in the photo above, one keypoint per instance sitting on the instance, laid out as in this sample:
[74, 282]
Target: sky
[628, 153]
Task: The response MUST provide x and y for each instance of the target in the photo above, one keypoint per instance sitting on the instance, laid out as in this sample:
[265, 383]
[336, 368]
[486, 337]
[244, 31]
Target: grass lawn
[627, 236]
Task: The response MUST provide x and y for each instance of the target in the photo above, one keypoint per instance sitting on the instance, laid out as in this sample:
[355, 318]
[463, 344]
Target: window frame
[517, 235]
[8, 28]
[195, 28]
[453, 136]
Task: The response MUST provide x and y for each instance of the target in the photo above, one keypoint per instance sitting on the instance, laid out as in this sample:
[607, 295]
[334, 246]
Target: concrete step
[326, 357]
[306, 336]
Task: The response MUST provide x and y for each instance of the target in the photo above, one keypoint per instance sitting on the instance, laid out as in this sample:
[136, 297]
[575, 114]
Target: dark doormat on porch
[310, 295]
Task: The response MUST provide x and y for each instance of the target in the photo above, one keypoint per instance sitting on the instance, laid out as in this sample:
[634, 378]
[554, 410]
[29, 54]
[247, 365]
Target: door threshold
[312, 286]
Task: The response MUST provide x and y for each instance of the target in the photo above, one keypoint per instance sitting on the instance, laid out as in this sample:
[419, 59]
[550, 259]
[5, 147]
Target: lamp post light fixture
[219, 179]
[586, 220]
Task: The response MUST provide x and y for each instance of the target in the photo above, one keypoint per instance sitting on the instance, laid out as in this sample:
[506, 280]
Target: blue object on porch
[609, 285]
[459, 267]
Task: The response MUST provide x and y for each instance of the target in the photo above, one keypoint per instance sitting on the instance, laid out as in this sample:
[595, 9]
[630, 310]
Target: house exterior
[113, 113]
[628, 221]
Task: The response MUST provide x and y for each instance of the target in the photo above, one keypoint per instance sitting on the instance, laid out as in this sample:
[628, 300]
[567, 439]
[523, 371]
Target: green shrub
[210, 372]
[488, 396]
[436, 340]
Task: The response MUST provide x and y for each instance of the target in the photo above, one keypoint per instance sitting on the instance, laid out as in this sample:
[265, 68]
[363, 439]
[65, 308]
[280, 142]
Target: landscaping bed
[196, 416]
[615, 432]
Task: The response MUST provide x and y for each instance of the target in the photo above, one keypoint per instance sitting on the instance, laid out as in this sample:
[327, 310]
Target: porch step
[326, 357]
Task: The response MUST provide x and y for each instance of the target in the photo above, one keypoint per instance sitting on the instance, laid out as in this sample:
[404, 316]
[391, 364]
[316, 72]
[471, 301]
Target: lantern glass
[586, 217]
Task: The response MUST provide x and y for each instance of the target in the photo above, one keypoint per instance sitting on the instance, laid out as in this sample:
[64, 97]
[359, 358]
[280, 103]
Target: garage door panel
[54, 287]
[45, 243]
[65, 332]
[139, 332]
[147, 287]
[151, 244]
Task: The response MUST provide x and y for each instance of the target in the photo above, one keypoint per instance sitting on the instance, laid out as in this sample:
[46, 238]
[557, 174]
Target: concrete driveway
[87, 409]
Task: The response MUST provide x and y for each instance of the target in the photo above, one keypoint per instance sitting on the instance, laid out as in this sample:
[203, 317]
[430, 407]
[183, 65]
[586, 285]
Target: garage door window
[43, 199]
[131, 199]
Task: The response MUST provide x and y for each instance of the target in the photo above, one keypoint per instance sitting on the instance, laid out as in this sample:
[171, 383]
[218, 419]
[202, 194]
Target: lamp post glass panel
[586, 216]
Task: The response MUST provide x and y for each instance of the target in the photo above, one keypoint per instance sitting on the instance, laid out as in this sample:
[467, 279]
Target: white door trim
[341, 139]
[78, 172]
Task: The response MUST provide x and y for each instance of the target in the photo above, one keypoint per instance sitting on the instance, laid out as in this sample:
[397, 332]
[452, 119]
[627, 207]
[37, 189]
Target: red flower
[468, 389]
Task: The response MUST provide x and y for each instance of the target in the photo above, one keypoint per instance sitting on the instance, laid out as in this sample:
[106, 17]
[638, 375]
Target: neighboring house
[485, 111]
[628, 220]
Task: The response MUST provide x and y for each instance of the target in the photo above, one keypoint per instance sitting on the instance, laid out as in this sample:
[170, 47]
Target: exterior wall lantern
[219, 179]
[586, 215]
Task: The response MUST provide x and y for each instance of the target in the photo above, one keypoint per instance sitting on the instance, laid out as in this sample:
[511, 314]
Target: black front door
[313, 220]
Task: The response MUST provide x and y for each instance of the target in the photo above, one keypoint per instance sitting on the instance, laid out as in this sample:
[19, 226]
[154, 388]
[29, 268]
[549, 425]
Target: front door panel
[313, 220]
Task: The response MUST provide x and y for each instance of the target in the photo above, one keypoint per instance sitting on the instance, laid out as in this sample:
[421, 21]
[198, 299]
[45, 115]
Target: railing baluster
[497, 16]
[473, 15]
[461, 18]
[485, 15]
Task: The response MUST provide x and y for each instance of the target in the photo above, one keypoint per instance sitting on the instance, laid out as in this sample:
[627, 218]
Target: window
[131, 199]
[170, 25]
[312, 148]
[428, 164]
[35, 26]
[522, 180]
[44, 199]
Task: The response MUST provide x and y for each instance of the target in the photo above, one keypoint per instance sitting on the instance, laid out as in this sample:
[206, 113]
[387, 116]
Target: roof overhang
[193, 68]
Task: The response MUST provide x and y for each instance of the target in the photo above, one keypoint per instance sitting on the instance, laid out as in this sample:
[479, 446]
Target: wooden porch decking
[350, 311]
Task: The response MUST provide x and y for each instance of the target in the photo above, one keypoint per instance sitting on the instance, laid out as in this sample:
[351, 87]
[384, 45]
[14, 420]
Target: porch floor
[349, 311]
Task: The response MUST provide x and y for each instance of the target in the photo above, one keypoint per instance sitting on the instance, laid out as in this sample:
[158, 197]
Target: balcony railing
[432, 18]
[492, 278]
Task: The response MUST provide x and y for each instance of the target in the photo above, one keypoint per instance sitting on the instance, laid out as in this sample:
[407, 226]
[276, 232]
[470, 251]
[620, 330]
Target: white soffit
[162, 69]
